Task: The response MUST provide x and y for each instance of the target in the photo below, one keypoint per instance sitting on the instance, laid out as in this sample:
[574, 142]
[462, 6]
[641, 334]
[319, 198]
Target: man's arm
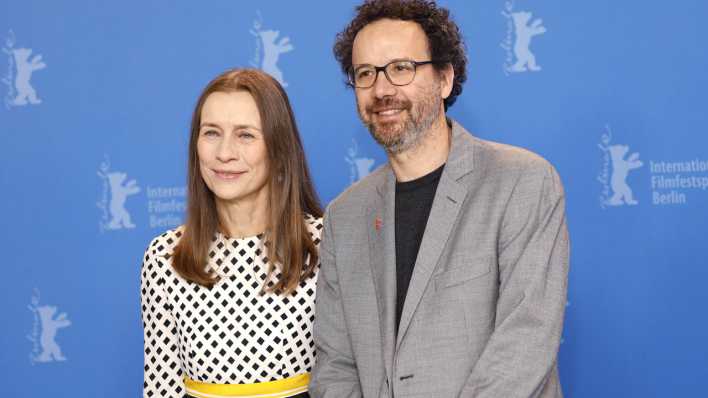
[334, 374]
[533, 248]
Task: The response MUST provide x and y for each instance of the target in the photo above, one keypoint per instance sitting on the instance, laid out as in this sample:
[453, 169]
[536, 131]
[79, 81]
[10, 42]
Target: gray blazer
[484, 311]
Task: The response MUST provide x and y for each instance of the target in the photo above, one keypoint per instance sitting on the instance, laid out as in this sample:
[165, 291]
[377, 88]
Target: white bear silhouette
[620, 169]
[360, 167]
[272, 51]
[524, 32]
[363, 167]
[50, 325]
[119, 194]
[25, 68]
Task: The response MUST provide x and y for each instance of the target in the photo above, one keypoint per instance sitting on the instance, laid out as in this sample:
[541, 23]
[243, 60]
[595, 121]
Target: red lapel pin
[378, 223]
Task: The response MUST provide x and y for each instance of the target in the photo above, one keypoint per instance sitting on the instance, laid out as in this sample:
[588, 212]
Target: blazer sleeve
[533, 248]
[334, 374]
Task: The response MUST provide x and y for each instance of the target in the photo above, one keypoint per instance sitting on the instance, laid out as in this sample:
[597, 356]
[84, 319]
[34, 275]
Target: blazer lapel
[382, 252]
[449, 197]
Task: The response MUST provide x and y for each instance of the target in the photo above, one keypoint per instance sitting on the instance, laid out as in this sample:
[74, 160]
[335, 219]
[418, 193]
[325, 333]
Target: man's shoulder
[502, 160]
[498, 156]
[512, 166]
[355, 199]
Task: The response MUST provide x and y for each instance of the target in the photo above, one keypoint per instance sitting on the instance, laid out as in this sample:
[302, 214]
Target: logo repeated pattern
[268, 50]
[616, 181]
[671, 182]
[116, 191]
[130, 202]
[20, 91]
[359, 167]
[521, 28]
[46, 325]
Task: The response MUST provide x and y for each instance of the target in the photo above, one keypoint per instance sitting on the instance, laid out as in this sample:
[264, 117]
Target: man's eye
[363, 73]
[403, 67]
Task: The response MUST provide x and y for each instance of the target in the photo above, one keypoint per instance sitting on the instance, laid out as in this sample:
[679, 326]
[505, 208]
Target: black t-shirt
[413, 202]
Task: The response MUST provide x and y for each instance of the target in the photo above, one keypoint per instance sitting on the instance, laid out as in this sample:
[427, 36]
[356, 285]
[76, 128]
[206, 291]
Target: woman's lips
[228, 175]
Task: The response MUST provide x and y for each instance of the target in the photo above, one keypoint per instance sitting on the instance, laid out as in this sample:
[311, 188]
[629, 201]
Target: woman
[228, 298]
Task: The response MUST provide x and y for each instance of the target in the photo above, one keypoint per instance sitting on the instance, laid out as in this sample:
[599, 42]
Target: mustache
[387, 103]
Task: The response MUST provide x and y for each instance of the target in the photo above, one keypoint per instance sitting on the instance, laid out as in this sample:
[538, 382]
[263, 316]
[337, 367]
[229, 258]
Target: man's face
[398, 117]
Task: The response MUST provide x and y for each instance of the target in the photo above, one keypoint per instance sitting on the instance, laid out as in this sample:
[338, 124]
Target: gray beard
[415, 128]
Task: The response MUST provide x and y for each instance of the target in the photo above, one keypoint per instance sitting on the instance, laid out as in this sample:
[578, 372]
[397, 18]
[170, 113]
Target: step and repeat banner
[96, 98]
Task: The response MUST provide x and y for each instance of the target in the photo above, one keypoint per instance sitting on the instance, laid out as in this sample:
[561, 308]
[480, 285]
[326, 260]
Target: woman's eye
[210, 133]
[246, 134]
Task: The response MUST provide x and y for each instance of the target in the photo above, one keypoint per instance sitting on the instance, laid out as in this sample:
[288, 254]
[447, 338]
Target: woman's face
[231, 149]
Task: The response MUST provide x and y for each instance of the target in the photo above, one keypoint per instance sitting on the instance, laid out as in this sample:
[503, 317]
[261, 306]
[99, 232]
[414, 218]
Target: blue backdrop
[97, 98]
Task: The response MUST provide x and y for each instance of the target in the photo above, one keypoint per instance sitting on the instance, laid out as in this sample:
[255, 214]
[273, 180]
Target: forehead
[386, 39]
[232, 108]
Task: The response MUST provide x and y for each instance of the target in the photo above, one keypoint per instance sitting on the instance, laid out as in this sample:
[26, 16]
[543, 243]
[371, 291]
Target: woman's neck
[243, 218]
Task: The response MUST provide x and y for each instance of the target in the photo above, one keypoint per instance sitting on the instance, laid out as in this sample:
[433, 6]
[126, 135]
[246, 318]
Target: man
[444, 271]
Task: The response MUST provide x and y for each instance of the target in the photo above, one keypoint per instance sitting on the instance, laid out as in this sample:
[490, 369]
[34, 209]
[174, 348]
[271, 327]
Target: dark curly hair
[444, 37]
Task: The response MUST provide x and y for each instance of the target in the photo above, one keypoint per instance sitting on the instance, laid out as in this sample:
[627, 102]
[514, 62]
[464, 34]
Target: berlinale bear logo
[115, 193]
[620, 169]
[45, 329]
[524, 30]
[20, 90]
[120, 190]
[359, 167]
[269, 49]
[616, 155]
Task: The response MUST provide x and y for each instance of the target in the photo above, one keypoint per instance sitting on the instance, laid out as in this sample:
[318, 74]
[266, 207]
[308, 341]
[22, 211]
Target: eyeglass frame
[377, 69]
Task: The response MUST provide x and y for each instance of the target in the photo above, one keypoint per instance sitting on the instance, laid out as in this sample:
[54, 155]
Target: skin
[233, 161]
[408, 121]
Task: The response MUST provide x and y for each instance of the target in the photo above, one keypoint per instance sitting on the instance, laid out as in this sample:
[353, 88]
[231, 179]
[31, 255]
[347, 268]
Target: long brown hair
[291, 193]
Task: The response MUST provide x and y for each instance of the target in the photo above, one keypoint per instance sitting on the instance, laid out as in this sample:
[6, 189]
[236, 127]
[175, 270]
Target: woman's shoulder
[164, 244]
[156, 262]
[314, 225]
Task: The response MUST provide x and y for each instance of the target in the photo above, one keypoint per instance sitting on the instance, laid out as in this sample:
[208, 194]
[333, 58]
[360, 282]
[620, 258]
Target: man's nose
[383, 87]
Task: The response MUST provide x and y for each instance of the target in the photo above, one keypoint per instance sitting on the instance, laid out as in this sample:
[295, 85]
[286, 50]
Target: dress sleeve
[163, 367]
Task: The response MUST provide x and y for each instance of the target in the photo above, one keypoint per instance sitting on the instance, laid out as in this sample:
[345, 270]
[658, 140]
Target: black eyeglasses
[398, 72]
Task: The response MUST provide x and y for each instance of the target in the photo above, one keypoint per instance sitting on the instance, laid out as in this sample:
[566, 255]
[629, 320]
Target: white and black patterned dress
[229, 334]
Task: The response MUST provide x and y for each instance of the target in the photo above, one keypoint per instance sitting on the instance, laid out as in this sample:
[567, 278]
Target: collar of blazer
[460, 160]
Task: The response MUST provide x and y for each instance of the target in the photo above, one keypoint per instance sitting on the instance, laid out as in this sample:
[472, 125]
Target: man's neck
[428, 155]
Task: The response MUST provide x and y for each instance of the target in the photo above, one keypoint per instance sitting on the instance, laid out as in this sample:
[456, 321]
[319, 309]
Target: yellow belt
[268, 389]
